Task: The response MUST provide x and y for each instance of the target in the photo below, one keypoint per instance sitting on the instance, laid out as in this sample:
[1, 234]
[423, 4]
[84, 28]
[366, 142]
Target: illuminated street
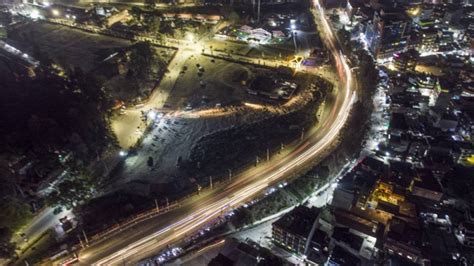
[144, 239]
[213, 132]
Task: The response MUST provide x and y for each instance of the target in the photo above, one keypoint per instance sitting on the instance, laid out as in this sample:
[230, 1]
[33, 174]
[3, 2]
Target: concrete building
[297, 231]
[388, 33]
[404, 239]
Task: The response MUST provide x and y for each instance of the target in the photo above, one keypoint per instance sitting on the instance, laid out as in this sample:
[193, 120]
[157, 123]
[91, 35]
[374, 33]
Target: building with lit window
[297, 231]
[404, 239]
[406, 61]
[388, 33]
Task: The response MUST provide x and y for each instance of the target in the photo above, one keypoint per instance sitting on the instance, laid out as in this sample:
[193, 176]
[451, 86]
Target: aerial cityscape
[239, 132]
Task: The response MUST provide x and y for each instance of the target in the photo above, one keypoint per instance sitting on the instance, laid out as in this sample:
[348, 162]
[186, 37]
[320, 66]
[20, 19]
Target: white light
[34, 14]
[55, 12]
[46, 4]
[123, 153]
[293, 27]
[190, 37]
[152, 115]
[334, 185]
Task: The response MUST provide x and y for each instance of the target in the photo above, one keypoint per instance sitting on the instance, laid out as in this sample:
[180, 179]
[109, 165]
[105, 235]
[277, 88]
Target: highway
[148, 237]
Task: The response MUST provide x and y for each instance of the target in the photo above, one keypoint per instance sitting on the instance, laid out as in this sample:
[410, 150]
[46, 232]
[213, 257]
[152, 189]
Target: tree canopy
[70, 192]
[7, 249]
[14, 213]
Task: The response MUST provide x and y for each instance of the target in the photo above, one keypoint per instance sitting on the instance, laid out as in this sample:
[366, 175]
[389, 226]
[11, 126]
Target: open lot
[172, 137]
[66, 46]
[206, 82]
[101, 55]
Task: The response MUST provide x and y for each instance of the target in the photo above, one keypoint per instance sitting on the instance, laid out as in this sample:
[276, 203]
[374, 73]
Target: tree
[154, 24]
[149, 162]
[7, 248]
[136, 13]
[14, 213]
[234, 17]
[345, 38]
[70, 192]
[150, 3]
[141, 58]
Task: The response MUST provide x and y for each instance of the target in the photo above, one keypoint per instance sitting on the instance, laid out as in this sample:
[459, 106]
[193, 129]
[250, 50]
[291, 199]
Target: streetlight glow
[55, 12]
[34, 14]
[152, 115]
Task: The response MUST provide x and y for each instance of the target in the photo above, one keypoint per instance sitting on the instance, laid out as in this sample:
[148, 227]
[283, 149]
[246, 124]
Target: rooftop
[356, 222]
[299, 221]
[404, 232]
[425, 179]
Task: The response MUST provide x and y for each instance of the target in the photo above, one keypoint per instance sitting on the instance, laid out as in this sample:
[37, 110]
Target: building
[340, 257]
[388, 33]
[354, 189]
[426, 186]
[297, 231]
[406, 61]
[429, 39]
[404, 239]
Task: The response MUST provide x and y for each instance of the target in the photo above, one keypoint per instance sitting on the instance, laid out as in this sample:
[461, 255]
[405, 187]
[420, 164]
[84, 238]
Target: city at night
[237, 132]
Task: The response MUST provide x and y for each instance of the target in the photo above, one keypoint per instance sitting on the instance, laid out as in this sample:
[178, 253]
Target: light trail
[250, 185]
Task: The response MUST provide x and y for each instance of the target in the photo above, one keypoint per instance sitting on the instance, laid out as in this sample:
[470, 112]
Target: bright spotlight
[152, 115]
[55, 12]
[123, 153]
[34, 14]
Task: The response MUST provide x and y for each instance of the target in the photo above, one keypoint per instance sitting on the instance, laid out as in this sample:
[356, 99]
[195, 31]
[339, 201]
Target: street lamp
[152, 115]
[55, 12]
[34, 14]
[123, 153]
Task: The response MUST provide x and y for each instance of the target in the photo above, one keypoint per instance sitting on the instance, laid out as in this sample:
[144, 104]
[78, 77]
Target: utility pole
[230, 174]
[210, 181]
[157, 207]
[302, 133]
[167, 204]
[268, 154]
[85, 237]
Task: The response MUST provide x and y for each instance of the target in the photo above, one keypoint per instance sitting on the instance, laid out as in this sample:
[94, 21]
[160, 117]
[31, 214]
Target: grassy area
[65, 46]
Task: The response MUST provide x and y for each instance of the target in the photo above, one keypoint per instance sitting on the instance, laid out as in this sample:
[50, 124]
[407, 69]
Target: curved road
[144, 239]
